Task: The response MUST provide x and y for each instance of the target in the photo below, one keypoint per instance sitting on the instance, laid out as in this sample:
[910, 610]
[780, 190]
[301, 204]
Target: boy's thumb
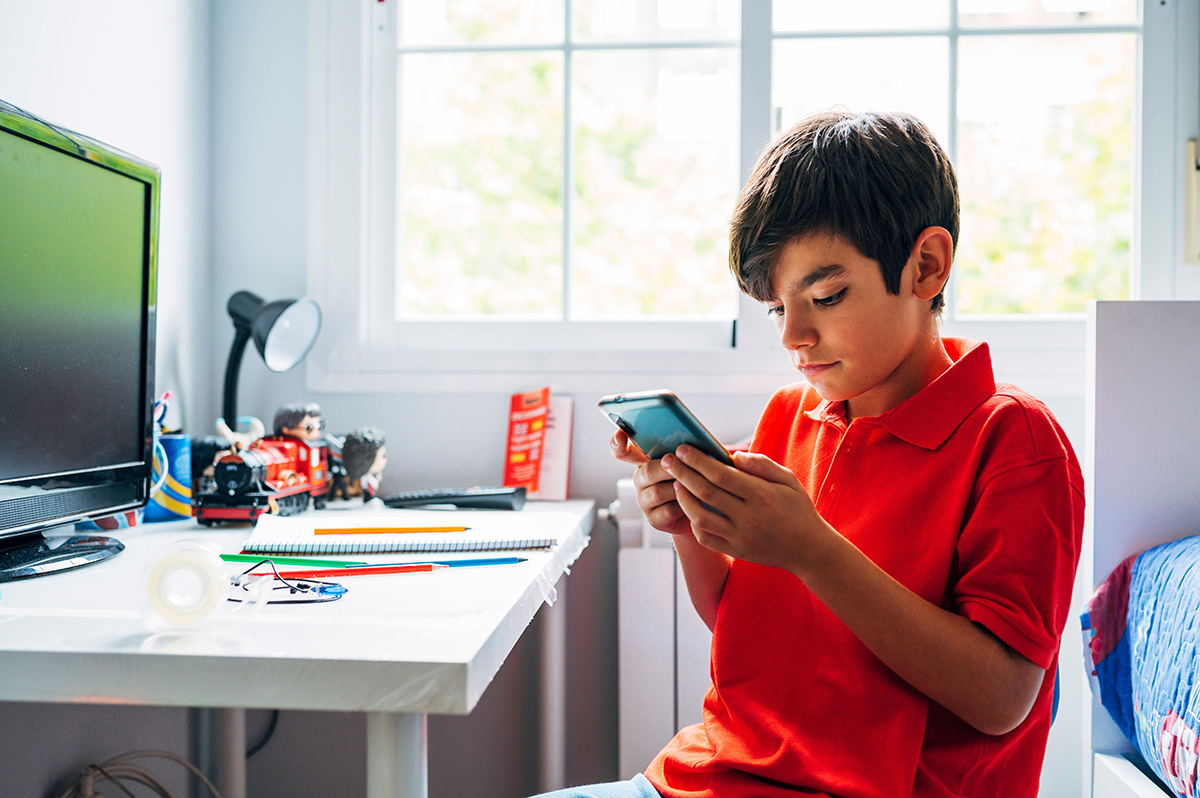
[759, 465]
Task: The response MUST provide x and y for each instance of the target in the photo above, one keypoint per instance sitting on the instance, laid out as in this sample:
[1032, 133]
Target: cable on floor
[117, 772]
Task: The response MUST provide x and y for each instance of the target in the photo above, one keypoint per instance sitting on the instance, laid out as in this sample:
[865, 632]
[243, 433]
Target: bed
[1143, 433]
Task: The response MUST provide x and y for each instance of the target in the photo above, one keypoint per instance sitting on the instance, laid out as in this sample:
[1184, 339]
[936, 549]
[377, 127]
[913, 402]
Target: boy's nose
[797, 331]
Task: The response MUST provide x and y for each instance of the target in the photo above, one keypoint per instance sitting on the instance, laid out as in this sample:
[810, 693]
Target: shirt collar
[930, 416]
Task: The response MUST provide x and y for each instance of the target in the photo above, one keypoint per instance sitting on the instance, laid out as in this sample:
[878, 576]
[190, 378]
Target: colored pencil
[362, 570]
[386, 530]
[464, 563]
[290, 560]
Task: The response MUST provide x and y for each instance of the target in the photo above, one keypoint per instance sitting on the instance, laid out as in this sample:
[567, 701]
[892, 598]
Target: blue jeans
[637, 787]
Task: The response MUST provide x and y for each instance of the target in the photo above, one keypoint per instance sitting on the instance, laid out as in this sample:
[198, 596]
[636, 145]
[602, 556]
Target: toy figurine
[300, 420]
[241, 440]
[364, 455]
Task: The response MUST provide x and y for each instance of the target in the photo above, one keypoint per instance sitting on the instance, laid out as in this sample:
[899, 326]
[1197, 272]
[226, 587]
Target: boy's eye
[831, 300]
[775, 310]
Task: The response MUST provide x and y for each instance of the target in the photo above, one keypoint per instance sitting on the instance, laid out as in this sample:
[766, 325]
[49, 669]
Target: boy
[888, 572]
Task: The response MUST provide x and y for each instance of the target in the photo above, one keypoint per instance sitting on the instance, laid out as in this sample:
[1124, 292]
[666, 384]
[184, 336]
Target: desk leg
[553, 693]
[397, 755]
[229, 731]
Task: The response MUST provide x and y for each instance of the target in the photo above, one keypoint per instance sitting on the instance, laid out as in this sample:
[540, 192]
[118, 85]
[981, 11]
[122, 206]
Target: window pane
[1044, 166]
[812, 15]
[480, 211]
[440, 22]
[656, 138]
[908, 74]
[1046, 12]
[656, 20]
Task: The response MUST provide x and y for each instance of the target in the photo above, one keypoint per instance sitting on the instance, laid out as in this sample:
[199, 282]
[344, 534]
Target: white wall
[133, 74]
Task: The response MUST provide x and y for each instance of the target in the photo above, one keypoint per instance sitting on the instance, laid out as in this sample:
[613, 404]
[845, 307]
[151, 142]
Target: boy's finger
[728, 479]
[650, 472]
[699, 486]
[705, 521]
[665, 518]
[624, 450]
[759, 465]
[655, 495]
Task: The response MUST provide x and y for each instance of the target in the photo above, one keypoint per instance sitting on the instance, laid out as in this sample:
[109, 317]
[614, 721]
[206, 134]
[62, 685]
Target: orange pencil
[386, 530]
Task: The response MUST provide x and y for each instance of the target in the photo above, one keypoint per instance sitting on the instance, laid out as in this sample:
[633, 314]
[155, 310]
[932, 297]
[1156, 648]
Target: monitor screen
[72, 257]
[78, 242]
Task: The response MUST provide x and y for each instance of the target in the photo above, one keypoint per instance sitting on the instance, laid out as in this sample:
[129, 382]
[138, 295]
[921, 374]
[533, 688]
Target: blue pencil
[458, 563]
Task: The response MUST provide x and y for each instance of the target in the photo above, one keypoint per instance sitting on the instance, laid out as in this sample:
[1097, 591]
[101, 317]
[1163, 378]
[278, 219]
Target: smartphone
[658, 423]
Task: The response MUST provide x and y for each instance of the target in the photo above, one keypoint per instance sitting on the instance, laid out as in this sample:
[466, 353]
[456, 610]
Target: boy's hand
[759, 511]
[655, 494]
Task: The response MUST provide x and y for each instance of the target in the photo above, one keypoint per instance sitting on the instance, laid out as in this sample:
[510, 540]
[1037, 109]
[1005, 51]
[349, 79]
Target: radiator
[663, 646]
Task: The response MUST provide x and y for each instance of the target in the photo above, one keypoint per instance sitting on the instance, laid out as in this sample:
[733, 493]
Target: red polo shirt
[970, 495]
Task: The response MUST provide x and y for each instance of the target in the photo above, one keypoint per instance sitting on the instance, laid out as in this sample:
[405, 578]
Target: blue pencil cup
[173, 500]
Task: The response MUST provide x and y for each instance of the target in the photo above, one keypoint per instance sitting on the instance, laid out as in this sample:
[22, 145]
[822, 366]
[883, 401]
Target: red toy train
[274, 474]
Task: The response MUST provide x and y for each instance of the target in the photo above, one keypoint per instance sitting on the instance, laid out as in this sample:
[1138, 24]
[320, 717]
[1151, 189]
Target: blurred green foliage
[1047, 229]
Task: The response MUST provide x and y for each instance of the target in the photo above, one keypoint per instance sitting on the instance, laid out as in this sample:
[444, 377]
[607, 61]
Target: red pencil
[361, 570]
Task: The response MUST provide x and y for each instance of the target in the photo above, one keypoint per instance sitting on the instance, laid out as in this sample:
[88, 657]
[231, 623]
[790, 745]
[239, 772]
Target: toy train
[277, 474]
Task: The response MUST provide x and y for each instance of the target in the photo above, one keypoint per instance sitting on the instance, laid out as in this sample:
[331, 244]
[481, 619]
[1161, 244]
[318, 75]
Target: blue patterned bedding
[1140, 636]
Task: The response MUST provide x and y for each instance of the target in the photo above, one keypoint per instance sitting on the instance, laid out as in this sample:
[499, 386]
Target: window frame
[351, 212]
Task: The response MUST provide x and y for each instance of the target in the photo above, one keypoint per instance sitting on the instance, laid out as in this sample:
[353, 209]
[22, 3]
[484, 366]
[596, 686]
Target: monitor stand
[35, 554]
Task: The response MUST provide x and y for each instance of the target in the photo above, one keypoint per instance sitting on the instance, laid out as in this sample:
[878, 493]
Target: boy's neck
[928, 361]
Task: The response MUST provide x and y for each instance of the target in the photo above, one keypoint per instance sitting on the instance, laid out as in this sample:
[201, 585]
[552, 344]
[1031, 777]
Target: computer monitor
[78, 259]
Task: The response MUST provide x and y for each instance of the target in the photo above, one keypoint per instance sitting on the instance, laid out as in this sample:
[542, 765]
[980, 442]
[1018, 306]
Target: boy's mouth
[813, 369]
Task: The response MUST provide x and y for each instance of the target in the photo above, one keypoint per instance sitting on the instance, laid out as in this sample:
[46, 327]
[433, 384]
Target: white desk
[395, 647]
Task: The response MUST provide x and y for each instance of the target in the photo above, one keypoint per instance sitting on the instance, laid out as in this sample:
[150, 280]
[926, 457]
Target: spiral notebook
[296, 534]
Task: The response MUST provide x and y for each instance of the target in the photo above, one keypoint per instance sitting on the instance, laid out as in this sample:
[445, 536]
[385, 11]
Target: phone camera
[622, 424]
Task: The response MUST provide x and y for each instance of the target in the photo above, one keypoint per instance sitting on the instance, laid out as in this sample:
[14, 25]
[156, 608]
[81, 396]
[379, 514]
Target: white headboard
[1142, 452]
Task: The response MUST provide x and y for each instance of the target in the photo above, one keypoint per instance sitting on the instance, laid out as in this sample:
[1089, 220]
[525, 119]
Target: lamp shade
[283, 331]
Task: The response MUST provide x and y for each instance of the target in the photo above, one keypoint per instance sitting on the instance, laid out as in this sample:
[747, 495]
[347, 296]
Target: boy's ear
[931, 257]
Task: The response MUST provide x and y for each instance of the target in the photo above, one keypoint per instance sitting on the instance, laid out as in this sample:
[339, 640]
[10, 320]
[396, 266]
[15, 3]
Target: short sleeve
[1017, 555]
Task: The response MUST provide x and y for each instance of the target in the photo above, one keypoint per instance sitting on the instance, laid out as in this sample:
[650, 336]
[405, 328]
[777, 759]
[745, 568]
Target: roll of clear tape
[186, 585]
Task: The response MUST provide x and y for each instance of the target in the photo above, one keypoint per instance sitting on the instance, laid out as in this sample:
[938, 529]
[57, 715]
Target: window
[519, 187]
[541, 163]
[562, 177]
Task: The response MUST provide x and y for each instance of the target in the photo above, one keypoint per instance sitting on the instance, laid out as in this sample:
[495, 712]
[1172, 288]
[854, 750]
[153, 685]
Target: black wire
[308, 587]
[266, 736]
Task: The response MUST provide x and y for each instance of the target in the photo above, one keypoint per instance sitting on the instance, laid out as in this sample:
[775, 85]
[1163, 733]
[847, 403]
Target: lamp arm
[232, 369]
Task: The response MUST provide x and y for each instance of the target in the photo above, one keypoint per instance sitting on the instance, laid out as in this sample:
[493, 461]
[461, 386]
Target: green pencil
[289, 560]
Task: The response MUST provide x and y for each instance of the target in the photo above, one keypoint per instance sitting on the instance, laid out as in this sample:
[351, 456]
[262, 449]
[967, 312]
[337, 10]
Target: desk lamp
[284, 331]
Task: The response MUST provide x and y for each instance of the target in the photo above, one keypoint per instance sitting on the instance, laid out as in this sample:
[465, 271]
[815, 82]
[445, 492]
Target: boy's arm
[704, 569]
[766, 517]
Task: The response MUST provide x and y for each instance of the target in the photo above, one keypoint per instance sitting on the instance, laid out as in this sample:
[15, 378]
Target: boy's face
[847, 335]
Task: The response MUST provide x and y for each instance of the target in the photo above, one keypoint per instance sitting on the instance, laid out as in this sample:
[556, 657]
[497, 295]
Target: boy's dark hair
[875, 179]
